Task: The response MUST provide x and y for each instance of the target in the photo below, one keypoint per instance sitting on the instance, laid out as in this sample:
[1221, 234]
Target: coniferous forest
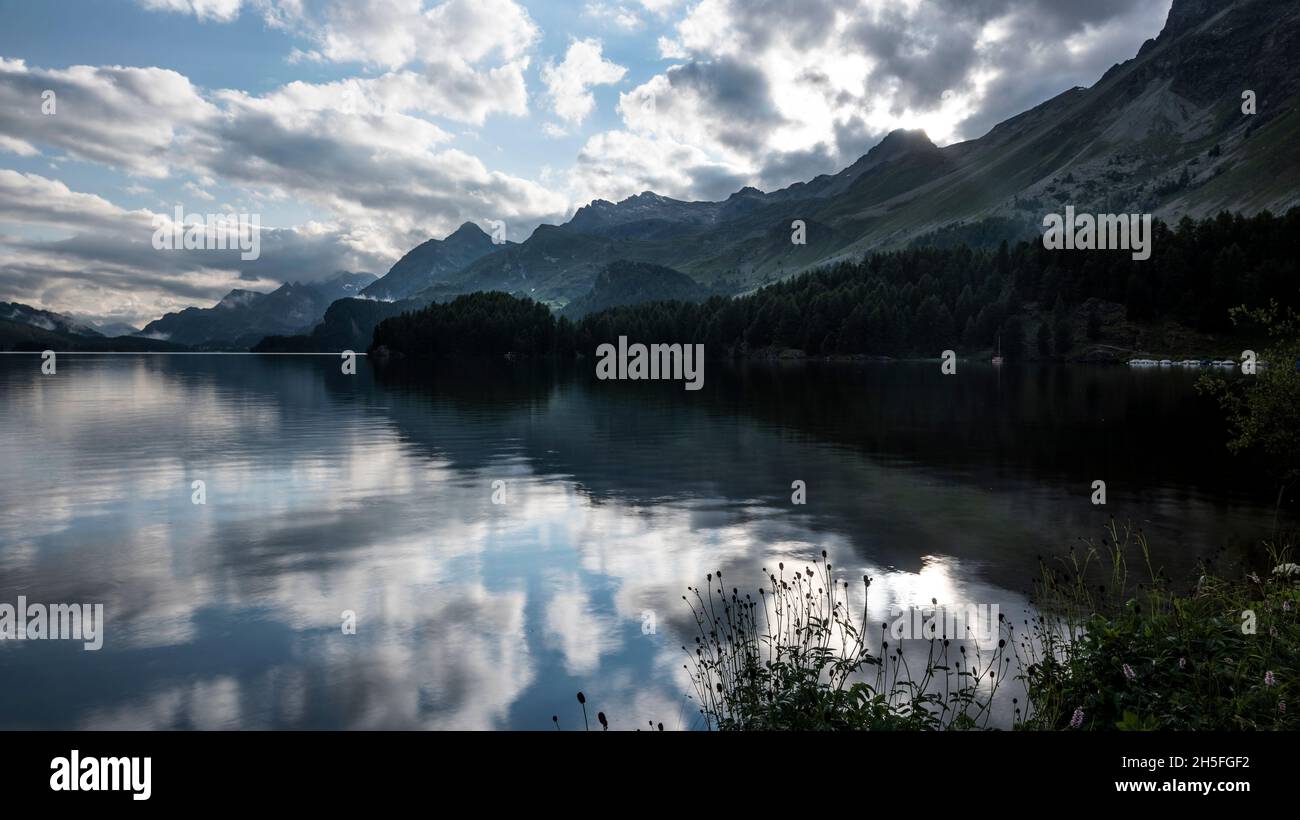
[916, 302]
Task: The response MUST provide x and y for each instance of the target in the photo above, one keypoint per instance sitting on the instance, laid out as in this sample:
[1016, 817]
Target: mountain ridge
[243, 317]
[1161, 132]
[420, 267]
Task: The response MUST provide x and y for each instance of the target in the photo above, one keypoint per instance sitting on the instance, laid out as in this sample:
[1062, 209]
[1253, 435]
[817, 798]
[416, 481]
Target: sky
[356, 129]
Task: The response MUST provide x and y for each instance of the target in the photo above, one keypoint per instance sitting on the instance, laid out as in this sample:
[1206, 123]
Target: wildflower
[1272, 631]
[1268, 678]
[1182, 663]
[1281, 706]
[1287, 570]
[1076, 720]
[1286, 606]
[1129, 673]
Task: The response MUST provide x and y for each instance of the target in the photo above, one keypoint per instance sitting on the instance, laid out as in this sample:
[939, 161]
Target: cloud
[723, 106]
[80, 253]
[777, 91]
[616, 164]
[619, 15]
[222, 11]
[127, 118]
[395, 33]
[468, 56]
[660, 7]
[568, 84]
[356, 149]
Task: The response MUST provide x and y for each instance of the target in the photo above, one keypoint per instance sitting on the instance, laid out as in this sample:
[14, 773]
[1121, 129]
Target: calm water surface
[373, 493]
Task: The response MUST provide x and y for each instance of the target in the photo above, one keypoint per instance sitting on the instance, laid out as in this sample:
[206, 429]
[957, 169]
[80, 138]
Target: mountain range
[243, 317]
[1165, 132]
[427, 264]
[47, 320]
[1162, 133]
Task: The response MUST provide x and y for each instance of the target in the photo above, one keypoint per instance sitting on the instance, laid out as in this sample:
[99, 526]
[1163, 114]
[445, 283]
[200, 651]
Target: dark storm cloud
[802, 23]
[735, 95]
[920, 53]
[854, 137]
[1031, 76]
[713, 183]
[1047, 16]
[799, 166]
[917, 63]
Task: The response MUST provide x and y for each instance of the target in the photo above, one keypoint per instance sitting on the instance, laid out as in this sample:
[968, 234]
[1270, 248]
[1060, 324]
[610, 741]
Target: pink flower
[1268, 678]
[1281, 706]
[1182, 663]
[1129, 673]
[1076, 720]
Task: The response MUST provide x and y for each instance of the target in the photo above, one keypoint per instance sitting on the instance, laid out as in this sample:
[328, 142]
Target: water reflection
[373, 493]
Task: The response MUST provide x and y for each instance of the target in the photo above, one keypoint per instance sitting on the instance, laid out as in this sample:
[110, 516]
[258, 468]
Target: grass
[1224, 655]
[1105, 651]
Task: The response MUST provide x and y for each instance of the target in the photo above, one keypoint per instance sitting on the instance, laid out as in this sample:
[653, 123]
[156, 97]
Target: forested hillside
[919, 302]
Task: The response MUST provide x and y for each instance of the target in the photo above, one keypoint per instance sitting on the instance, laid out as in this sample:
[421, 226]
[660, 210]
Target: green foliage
[1100, 654]
[486, 323]
[1149, 658]
[1263, 410]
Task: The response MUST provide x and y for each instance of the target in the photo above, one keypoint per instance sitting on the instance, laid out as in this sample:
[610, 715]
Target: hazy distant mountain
[44, 319]
[348, 324]
[113, 329]
[429, 263]
[631, 283]
[1163, 133]
[344, 284]
[16, 335]
[244, 317]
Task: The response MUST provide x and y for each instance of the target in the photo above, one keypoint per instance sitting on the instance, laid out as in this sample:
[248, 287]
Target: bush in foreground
[1224, 656]
[1099, 654]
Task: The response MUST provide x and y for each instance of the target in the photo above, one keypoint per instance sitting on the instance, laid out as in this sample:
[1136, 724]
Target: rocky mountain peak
[901, 141]
[1187, 14]
[469, 231]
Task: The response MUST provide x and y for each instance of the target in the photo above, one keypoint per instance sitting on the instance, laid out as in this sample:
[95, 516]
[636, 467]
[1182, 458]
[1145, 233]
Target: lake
[375, 494]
